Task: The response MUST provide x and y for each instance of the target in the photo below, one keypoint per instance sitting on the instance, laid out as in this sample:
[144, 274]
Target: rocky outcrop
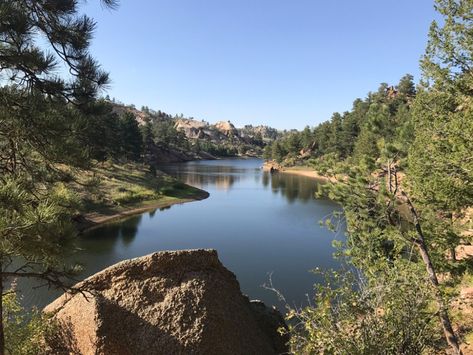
[141, 116]
[192, 128]
[227, 128]
[183, 302]
[272, 165]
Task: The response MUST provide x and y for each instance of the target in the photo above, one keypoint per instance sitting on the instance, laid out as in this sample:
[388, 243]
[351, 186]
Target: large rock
[227, 128]
[192, 128]
[182, 302]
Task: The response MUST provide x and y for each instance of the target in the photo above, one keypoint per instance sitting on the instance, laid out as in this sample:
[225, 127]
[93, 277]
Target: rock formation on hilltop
[178, 138]
[183, 302]
[227, 128]
[192, 128]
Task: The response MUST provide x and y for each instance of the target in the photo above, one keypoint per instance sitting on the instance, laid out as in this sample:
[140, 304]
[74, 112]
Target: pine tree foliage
[378, 119]
[45, 121]
[405, 185]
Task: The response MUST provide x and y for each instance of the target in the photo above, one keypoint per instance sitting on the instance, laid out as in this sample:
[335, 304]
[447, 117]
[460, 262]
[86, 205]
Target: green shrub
[391, 314]
[25, 332]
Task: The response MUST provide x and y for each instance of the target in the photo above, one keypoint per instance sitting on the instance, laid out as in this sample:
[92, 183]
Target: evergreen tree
[278, 153]
[100, 134]
[378, 237]
[322, 137]
[348, 135]
[293, 143]
[131, 138]
[147, 140]
[41, 125]
[267, 152]
[334, 139]
[440, 163]
[406, 87]
[306, 137]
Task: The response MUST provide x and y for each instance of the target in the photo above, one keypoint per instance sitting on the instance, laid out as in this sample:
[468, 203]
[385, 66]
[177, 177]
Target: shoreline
[307, 172]
[298, 170]
[92, 220]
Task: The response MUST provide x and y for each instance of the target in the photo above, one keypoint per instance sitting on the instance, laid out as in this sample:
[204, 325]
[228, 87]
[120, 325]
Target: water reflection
[292, 187]
[106, 237]
[222, 177]
[259, 223]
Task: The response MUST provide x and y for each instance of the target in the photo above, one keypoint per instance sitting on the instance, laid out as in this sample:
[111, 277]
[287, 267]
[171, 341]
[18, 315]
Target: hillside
[179, 138]
[108, 191]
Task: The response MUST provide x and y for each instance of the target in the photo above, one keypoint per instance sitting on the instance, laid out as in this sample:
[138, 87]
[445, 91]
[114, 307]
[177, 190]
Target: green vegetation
[402, 156]
[403, 160]
[24, 333]
[383, 117]
[45, 120]
[55, 139]
[162, 132]
[107, 189]
[386, 315]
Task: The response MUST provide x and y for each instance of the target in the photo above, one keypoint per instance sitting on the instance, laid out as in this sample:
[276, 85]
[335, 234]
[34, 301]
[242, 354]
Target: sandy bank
[308, 173]
[298, 170]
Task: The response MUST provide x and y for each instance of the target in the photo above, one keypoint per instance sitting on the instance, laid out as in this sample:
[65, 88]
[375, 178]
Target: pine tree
[278, 153]
[131, 138]
[147, 141]
[441, 165]
[406, 87]
[42, 120]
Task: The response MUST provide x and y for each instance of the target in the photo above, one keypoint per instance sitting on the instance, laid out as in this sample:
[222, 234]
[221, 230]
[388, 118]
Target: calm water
[259, 223]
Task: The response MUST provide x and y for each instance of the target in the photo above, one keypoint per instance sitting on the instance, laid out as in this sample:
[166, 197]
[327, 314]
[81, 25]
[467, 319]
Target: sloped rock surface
[182, 302]
[227, 128]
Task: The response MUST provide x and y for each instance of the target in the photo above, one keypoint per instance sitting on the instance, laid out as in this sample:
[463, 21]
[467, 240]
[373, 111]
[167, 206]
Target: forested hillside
[157, 137]
[56, 134]
[401, 165]
[382, 118]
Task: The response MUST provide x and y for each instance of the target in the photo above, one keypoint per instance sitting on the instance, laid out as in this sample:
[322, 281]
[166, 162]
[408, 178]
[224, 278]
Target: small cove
[259, 223]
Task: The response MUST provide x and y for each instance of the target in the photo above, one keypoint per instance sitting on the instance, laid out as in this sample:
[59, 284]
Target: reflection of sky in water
[259, 223]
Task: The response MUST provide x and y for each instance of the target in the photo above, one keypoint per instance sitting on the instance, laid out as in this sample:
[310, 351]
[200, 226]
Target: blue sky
[284, 63]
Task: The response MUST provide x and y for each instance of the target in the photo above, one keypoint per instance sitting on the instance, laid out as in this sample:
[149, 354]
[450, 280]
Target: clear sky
[284, 63]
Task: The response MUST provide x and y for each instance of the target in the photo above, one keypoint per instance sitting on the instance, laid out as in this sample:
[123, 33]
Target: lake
[259, 223]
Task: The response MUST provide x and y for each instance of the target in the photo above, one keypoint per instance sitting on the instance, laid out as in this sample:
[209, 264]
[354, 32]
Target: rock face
[183, 302]
[227, 128]
[192, 128]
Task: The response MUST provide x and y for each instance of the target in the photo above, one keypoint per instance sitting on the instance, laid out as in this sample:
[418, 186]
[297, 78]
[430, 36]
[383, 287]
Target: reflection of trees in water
[266, 179]
[105, 237]
[292, 187]
[223, 177]
[130, 229]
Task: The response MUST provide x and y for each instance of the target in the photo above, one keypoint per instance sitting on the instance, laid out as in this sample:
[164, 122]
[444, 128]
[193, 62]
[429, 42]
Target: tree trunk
[453, 254]
[2, 333]
[443, 313]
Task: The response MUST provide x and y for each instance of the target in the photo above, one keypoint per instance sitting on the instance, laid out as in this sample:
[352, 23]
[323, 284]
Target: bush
[390, 314]
[25, 333]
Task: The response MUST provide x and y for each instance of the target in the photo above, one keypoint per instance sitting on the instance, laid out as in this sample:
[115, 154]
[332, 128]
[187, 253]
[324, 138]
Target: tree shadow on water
[105, 238]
